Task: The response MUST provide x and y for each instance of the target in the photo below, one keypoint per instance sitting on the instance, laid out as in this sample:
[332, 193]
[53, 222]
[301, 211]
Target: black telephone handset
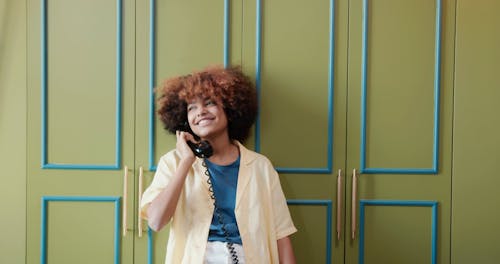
[201, 149]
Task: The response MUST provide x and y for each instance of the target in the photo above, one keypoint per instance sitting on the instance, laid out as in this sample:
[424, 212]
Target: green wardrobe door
[296, 51]
[80, 131]
[175, 38]
[475, 214]
[399, 131]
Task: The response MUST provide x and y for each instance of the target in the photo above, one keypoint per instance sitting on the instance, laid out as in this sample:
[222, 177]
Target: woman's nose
[201, 111]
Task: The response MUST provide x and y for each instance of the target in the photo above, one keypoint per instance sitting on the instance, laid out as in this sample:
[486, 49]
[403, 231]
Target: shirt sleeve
[282, 220]
[164, 171]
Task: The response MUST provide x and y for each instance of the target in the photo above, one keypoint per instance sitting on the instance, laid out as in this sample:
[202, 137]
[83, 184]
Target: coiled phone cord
[230, 245]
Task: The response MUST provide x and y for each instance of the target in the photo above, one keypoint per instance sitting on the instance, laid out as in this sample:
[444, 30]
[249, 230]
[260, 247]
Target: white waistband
[218, 253]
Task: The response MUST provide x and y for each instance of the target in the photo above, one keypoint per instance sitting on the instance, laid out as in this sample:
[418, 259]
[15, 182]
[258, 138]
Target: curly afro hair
[227, 85]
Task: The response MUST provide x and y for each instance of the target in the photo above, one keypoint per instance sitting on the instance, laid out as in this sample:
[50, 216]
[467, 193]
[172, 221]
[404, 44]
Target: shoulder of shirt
[249, 156]
[170, 157]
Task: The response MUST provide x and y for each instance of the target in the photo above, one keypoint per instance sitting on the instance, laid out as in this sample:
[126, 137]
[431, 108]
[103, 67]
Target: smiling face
[207, 118]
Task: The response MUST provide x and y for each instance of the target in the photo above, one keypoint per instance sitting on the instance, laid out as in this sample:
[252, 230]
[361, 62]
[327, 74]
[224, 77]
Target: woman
[226, 206]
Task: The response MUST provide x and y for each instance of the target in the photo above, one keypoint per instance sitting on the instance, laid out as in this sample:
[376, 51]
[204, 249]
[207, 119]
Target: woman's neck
[225, 152]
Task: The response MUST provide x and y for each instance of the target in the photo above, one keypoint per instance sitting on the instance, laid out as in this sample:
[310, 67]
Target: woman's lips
[204, 121]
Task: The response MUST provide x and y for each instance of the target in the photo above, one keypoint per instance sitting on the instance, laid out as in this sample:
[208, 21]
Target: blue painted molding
[363, 203]
[118, 140]
[150, 246]
[258, 52]
[152, 71]
[226, 32]
[152, 76]
[437, 80]
[258, 44]
[45, 203]
[328, 204]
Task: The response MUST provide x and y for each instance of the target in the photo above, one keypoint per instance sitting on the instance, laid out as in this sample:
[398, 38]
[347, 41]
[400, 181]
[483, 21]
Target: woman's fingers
[182, 146]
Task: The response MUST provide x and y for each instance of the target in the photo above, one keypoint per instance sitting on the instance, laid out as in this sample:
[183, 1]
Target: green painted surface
[80, 232]
[295, 98]
[400, 75]
[294, 110]
[187, 38]
[475, 238]
[293, 119]
[13, 130]
[400, 64]
[313, 232]
[81, 129]
[397, 234]
[81, 75]
[400, 119]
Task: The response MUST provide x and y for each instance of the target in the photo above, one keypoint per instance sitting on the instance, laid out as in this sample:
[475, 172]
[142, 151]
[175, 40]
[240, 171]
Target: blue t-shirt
[224, 181]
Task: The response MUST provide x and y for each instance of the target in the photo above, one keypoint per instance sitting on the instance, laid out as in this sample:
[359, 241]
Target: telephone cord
[229, 245]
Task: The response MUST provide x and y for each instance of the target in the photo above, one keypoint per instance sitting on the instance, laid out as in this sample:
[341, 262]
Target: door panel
[174, 37]
[399, 131]
[476, 142]
[286, 44]
[81, 217]
[296, 53]
[314, 217]
[386, 221]
[80, 131]
[398, 77]
[70, 45]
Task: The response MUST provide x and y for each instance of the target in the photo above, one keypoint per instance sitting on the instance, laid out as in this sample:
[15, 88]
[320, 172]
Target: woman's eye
[209, 102]
[189, 108]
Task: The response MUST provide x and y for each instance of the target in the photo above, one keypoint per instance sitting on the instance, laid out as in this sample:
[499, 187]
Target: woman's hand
[182, 147]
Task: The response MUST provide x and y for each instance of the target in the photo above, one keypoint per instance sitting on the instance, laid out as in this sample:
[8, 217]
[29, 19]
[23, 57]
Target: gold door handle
[139, 219]
[353, 203]
[339, 203]
[124, 205]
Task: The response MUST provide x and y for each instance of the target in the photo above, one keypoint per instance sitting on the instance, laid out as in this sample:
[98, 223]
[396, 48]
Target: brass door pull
[339, 203]
[124, 205]
[353, 203]
[139, 219]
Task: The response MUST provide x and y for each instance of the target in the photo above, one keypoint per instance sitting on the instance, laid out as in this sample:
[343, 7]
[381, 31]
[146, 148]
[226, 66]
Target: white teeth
[203, 122]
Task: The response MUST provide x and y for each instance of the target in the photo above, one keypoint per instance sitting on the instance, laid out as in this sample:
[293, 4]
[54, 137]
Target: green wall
[13, 130]
[475, 235]
[475, 177]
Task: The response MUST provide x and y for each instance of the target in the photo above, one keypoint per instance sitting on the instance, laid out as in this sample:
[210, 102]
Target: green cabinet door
[399, 131]
[80, 131]
[475, 216]
[173, 38]
[296, 51]
[399, 128]
[365, 86]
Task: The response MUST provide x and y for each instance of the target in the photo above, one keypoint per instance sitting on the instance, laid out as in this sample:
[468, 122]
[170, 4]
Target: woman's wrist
[187, 161]
[184, 164]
